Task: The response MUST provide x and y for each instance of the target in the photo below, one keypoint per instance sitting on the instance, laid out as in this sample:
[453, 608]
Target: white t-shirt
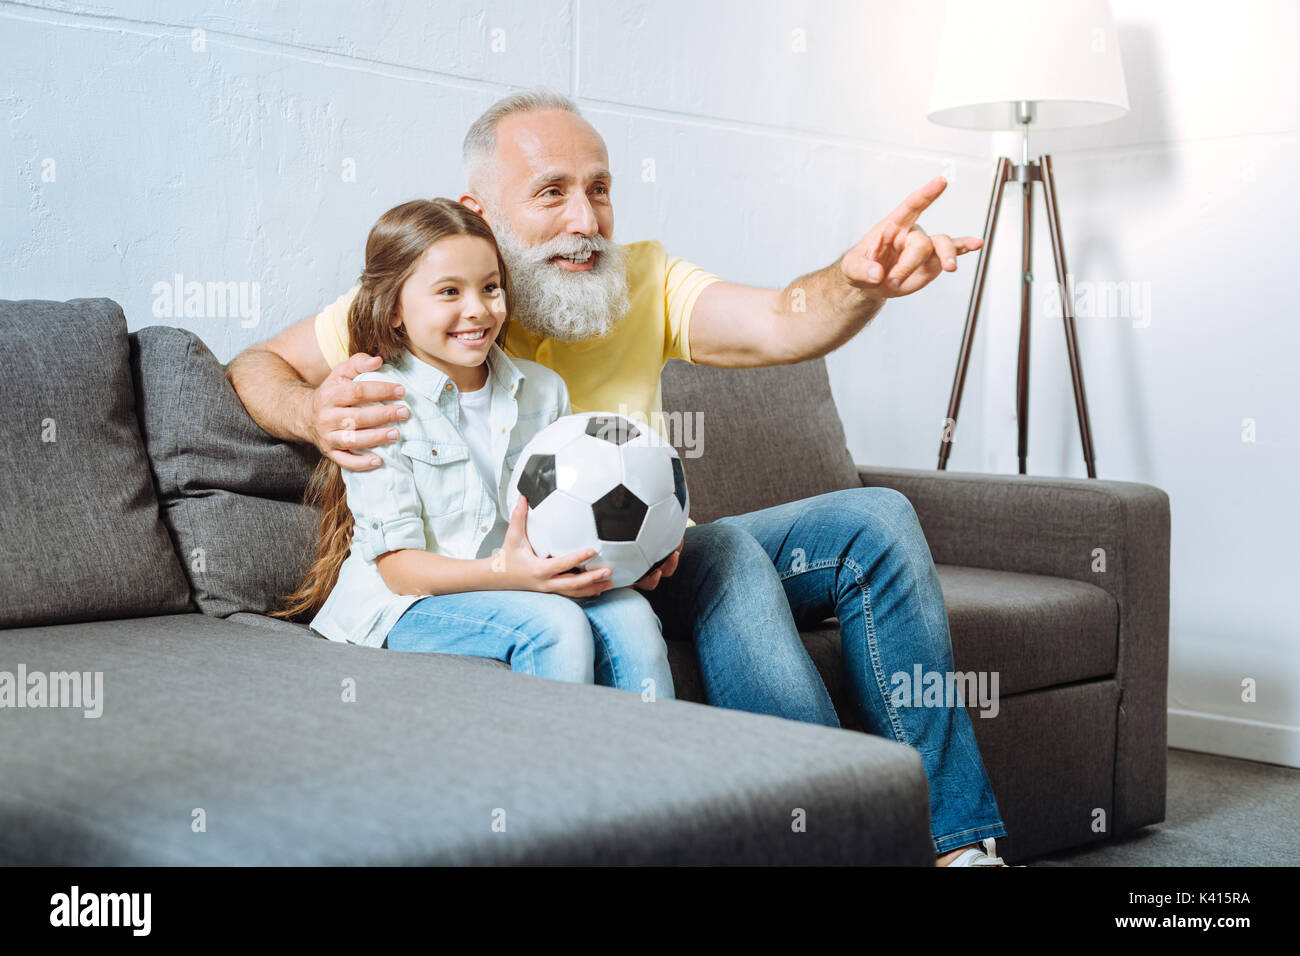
[477, 429]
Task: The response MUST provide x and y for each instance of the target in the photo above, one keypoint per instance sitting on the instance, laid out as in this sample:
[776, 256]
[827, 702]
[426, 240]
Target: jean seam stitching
[986, 830]
[959, 833]
[869, 622]
[873, 646]
[613, 667]
[814, 566]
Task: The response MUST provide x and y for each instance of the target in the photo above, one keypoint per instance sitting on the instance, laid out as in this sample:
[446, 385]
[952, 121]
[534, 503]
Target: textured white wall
[1192, 196]
[213, 139]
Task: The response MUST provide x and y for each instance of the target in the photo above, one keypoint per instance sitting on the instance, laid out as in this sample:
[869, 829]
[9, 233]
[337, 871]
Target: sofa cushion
[79, 521]
[759, 436]
[1035, 631]
[420, 765]
[231, 494]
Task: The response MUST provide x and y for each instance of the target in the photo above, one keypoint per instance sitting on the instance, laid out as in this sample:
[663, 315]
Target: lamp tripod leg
[1067, 313]
[1000, 177]
[1022, 357]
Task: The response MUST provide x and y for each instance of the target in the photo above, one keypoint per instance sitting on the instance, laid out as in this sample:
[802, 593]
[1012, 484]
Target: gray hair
[481, 140]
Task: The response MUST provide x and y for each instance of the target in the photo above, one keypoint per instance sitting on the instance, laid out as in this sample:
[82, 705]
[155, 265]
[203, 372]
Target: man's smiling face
[547, 196]
[553, 178]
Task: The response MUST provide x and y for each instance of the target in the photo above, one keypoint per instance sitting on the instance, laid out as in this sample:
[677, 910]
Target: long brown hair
[393, 252]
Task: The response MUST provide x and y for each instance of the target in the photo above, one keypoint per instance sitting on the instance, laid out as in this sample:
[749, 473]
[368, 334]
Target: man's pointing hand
[896, 257]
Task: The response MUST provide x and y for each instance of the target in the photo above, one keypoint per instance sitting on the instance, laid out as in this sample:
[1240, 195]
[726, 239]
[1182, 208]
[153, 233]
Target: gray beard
[565, 306]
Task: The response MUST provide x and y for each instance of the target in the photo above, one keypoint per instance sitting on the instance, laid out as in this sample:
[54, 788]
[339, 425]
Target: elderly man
[606, 317]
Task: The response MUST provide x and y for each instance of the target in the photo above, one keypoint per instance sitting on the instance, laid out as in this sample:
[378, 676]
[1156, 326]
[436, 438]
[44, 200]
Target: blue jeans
[744, 585]
[613, 639]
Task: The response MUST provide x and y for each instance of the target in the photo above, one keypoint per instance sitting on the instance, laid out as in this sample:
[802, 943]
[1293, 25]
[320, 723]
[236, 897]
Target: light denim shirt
[427, 492]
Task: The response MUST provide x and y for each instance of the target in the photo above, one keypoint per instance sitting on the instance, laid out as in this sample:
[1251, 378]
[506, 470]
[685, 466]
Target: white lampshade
[1062, 55]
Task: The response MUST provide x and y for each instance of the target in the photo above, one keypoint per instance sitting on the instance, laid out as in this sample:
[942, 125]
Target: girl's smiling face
[455, 289]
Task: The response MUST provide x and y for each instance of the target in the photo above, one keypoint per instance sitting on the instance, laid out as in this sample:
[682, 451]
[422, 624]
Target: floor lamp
[1013, 64]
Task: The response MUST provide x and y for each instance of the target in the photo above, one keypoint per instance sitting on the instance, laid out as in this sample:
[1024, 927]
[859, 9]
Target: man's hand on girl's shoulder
[339, 427]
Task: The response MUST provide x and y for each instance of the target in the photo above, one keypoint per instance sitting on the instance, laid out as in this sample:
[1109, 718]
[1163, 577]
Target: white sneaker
[986, 857]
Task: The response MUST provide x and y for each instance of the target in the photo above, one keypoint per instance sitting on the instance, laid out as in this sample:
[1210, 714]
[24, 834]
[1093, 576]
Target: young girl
[417, 554]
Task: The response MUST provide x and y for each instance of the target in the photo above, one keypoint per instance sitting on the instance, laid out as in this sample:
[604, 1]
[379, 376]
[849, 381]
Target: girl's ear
[395, 320]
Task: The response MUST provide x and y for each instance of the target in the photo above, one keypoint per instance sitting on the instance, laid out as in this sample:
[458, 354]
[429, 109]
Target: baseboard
[1234, 737]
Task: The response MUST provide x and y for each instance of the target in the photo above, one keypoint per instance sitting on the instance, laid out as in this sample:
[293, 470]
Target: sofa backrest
[765, 436]
[136, 483]
[80, 535]
[231, 494]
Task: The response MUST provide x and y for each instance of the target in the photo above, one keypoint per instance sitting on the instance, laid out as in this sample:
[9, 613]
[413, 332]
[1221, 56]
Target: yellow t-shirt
[617, 372]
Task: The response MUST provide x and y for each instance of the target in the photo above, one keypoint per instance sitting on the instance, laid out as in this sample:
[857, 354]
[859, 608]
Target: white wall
[778, 132]
[1193, 196]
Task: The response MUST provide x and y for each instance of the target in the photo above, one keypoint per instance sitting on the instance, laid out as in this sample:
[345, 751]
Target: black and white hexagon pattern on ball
[679, 485]
[538, 479]
[560, 525]
[619, 514]
[612, 428]
[546, 442]
[605, 482]
[662, 529]
[588, 468]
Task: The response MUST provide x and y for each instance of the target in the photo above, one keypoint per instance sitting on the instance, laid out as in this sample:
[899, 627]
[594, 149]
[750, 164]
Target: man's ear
[472, 201]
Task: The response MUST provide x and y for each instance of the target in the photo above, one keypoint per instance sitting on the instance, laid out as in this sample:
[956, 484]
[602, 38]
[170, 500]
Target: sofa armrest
[1035, 525]
[1114, 534]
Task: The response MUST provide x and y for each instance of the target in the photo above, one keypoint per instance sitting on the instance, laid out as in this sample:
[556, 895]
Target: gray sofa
[1060, 585]
[149, 524]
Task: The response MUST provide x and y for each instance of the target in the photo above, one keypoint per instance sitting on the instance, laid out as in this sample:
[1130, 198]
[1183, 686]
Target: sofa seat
[246, 728]
[1035, 631]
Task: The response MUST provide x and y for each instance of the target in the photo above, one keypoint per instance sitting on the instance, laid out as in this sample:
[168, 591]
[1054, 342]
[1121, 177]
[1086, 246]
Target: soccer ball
[600, 480]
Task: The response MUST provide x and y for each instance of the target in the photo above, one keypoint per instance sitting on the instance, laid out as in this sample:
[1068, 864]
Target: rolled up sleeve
[683, 283]
[385, 505]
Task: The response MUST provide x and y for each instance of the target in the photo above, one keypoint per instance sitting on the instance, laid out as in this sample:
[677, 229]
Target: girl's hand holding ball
[525, 571]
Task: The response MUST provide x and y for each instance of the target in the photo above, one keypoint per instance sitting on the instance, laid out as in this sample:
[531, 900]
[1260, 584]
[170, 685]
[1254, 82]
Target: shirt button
[484, 528]
[449, 386]
[503, 431]
[374, 524]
